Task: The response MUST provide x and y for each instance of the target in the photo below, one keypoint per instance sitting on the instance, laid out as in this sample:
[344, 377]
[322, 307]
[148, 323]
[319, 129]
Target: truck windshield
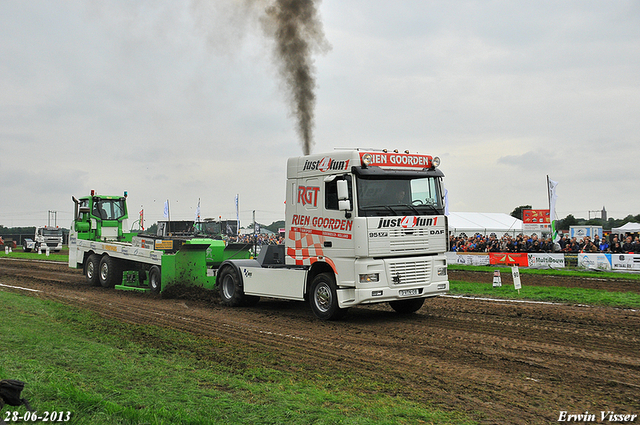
[52, 232]
[400, 196]
[109, 209]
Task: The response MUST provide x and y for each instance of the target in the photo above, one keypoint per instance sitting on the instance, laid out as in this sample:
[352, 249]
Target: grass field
[582, 296]
[103, 371]
[62, 256]
[106, 372]
[552, 272]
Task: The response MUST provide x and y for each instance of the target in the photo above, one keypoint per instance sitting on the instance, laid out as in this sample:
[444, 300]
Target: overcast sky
[181, 100]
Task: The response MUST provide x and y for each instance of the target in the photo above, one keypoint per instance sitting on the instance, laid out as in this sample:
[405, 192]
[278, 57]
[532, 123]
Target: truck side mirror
[344, 205]
[343, 190]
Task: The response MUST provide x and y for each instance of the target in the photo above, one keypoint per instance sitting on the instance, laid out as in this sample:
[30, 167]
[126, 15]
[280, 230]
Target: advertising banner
[509, 259]
[472, 259]
[625, 262]
[536, 216]
[595, 261]
[544, 260]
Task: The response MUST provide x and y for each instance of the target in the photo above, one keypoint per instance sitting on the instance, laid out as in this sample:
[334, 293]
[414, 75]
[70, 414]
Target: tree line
[570, 220]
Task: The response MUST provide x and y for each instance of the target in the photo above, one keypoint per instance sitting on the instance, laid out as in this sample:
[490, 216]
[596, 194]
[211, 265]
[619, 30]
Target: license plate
[408, 292]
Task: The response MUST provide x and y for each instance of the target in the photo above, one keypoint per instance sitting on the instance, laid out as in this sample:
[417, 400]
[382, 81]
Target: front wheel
[324, 298]
[407, 306]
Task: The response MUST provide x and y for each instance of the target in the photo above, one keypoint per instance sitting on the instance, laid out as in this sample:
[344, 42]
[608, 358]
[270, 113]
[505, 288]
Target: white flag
[237, 214]
[553, 196]
[446, 202]
[198, 212]
[166, 209]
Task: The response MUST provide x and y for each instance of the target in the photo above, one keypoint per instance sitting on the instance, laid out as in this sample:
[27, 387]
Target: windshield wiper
[375, 207]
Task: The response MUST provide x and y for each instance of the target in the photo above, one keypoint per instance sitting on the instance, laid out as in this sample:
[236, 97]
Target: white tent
[627, 228]
[471, 223]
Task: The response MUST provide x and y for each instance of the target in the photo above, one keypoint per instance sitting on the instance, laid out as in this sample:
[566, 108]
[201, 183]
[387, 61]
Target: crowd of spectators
[533, 243]
[506, 243]
[260, 239]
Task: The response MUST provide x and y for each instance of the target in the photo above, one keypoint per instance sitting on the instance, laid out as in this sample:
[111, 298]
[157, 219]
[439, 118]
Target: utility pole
[54, 215]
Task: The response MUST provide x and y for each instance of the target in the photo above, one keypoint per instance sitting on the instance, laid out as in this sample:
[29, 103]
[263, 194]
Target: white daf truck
[45, 237]
[363, 226]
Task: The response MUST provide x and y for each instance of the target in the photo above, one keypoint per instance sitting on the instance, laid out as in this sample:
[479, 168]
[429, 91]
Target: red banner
[536, 216]
[509, 259]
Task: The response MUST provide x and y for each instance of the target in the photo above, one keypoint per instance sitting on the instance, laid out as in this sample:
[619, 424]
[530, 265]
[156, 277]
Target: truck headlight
[369, 277]
[442, 271]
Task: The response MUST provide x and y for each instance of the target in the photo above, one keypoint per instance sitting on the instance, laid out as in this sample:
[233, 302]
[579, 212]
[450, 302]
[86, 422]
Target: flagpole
[549, 195]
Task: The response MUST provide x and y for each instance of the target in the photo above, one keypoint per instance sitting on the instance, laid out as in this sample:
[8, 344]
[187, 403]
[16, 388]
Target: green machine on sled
[110, 255]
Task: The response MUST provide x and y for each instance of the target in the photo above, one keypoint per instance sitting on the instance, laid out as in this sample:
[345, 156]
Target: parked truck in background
[363, 226]
[45, 237]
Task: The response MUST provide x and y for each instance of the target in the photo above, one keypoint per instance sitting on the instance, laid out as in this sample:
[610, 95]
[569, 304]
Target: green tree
[517, 213]
[275, 226]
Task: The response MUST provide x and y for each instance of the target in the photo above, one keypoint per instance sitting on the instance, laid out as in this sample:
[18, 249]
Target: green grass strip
[549, 272]
[106, 372]
[595, 297]
[62, 256]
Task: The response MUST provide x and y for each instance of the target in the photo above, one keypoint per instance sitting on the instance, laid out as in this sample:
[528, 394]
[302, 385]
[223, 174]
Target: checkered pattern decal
[307, 248]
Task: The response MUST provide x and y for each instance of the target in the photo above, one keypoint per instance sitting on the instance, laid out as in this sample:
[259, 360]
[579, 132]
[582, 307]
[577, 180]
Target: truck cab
[101, 218]
[362, 227]
[46, 237]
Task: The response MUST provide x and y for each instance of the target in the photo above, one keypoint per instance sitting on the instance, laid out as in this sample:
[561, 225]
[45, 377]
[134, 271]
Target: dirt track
[500, 362]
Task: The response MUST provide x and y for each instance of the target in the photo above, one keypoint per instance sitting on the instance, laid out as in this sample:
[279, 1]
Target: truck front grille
[409, 272]
[408, 240]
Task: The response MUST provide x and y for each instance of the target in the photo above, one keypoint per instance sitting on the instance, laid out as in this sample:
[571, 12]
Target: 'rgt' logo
[308, 195]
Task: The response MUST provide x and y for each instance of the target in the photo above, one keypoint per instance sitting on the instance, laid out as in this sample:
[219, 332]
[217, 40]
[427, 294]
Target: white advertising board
[625, 262]
[595, 261]
[541, 260]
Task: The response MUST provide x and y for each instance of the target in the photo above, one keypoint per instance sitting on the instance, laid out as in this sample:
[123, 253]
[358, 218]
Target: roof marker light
[366, 159]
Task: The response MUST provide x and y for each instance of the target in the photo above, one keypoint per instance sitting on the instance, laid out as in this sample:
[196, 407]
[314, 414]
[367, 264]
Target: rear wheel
[154, 279]
[230, 288]
[407, 306]
[110, 272]
[324, 298]
[91, 267]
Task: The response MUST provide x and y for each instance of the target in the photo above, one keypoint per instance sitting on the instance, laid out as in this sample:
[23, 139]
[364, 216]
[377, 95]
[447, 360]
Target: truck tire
[91, 268]
[110, 272]
[323, 298]
[154, 279]
[407, 306]
[231, 292]
[24, 247]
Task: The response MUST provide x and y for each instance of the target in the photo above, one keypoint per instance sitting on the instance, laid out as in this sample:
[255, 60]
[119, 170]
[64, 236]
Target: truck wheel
[110, 272]
[324, 298]
[231, 292]
[154, 279]
[24, 247]
[407, 306]
[91, 267]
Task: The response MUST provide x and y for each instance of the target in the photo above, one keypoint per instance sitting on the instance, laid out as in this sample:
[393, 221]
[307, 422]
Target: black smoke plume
[297, 30]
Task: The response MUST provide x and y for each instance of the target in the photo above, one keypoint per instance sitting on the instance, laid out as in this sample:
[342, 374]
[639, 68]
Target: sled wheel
[155, 282]
[91, 267]
[110, 272]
